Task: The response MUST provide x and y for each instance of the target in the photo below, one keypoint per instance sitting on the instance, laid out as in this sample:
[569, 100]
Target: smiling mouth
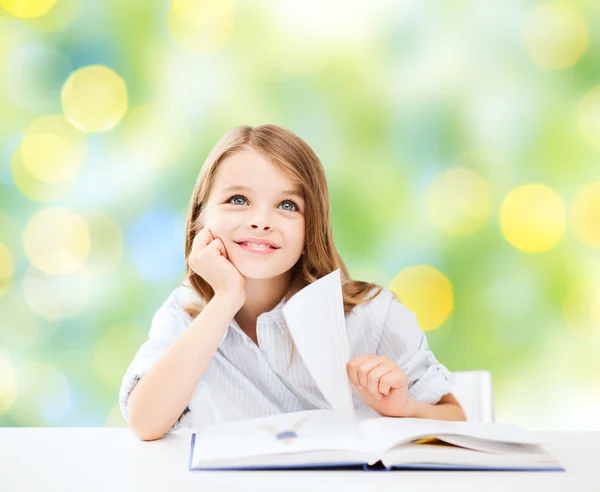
[256, 248]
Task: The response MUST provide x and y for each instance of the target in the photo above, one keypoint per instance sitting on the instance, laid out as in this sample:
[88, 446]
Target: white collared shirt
[245, 380]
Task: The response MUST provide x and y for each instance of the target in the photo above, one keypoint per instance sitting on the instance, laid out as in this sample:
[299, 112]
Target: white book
[327, 439]
[334, 437]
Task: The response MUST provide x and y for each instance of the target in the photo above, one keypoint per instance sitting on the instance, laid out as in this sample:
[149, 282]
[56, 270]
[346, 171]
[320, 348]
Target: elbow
[150, 437]
[145, 432]
[141, 423]
[142, 428]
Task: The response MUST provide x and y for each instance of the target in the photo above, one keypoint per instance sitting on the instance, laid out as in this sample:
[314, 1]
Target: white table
[114, 459]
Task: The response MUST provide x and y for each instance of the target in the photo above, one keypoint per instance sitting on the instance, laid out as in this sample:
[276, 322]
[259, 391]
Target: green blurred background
[461, 141]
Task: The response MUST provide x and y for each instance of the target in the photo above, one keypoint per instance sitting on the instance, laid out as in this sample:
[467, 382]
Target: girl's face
[252, 202]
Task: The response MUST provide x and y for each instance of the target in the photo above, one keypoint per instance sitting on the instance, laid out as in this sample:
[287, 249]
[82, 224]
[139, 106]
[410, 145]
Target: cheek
[218, 223]
[297, 236]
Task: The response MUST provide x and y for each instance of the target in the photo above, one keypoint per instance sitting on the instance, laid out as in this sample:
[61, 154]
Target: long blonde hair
[293, 156]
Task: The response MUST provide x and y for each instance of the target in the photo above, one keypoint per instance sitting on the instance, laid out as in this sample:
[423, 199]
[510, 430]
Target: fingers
[352, 368]
[365, 372]
[393, 379]
[218, 244]
[203, 238]
[366, 367]
[374, 378]
[376, 375]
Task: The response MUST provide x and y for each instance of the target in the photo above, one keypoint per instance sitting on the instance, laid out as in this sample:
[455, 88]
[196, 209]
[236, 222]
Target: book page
[388, 432]
[317, 325]
[421, 455]
[298, 432]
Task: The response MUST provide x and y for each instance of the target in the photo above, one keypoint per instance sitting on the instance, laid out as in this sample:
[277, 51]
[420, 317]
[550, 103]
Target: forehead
[252, 170]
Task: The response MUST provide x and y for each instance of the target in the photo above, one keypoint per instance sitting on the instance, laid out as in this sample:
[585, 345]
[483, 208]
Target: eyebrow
[295, 192]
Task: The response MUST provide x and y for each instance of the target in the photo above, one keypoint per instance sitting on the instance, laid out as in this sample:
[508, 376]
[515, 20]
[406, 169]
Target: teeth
[257, 246]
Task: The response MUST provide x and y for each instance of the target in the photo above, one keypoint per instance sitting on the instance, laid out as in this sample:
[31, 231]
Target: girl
[258, 231]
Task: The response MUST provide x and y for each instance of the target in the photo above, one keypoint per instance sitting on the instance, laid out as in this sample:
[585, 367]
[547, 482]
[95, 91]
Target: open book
[334, 437]
[323, 438]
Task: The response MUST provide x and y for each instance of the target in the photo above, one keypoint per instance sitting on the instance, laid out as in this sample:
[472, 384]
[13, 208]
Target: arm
[161, 395]
[447, 408]
[404, 379]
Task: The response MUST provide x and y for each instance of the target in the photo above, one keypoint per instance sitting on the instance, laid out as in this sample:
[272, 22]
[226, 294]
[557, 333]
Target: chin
[258, 272]
[260, 269]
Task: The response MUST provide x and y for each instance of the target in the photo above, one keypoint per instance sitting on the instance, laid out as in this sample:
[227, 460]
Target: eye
[288, 205]
[237, 197]
[292, 203]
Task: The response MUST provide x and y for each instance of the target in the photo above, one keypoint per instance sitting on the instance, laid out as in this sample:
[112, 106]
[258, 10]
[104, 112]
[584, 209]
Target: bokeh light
[94, 99]
[57, 241]
[458, 201]
[585, 214]
[25, 9]
[59, 17]
[33, 188]
[426, 292]
[6, 269]
[201, 26]
[555, 35]
[53, 151]
[48, 159]
[588, 117]
[57, 297]
[7, 381]
[533, 218]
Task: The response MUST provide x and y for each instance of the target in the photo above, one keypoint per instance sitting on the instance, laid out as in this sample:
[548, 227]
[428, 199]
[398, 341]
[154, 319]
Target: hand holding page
[315, 318]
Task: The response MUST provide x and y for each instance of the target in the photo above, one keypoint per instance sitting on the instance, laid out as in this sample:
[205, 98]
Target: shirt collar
[275, 314]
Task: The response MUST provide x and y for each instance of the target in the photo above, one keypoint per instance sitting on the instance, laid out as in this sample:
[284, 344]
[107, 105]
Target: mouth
[256, 248]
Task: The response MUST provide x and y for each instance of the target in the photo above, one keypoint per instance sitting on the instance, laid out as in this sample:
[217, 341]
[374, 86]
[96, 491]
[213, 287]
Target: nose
[260, 221]
[260, 226]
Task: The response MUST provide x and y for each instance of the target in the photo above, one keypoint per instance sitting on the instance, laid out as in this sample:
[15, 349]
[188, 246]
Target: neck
[262, 295]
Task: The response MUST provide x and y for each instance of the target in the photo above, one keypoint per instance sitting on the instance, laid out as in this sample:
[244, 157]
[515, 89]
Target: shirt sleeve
[168, 323]
[403, 341]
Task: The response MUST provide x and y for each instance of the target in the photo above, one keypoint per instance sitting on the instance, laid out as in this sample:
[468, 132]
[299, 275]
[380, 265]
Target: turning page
[315, 318]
